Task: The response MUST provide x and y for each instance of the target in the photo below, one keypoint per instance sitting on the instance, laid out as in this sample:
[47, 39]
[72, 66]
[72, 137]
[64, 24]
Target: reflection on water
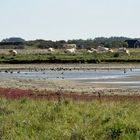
[88, 76]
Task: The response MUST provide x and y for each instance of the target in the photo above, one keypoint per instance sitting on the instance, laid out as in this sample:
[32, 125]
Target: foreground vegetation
[28, 119]
[61, 57]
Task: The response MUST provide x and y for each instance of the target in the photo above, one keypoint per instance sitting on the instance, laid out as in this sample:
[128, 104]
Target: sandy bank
[66, 86]
[71, 66]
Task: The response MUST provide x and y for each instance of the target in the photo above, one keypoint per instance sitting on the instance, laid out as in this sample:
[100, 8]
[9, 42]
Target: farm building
[133, 43]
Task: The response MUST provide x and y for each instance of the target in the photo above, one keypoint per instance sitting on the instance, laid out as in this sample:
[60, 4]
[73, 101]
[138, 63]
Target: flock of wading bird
[61, 70]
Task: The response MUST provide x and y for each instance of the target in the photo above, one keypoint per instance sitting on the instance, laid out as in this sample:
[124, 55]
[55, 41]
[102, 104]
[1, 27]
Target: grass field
[42, 56]
[67, 120]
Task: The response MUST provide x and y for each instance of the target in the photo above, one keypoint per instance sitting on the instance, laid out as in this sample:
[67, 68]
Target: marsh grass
[60, 57]
[28, 119]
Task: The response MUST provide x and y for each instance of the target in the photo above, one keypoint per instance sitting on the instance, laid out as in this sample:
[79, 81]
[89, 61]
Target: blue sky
[69, 19]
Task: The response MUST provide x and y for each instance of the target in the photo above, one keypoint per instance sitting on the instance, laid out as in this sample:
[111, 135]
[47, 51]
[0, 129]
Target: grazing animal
[127, 52]
[51, 49]
[13, 52]
[121, 49]
[124, 50]
[102, 49]
[72, 50]
[94, 50]
[69, 46]
[91, 50]
[110, 50]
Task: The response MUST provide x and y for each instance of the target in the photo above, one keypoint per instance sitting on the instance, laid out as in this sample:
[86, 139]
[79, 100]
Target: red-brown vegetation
[56, 96]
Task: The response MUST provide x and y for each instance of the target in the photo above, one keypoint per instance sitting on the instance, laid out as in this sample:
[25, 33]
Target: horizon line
[90, 38]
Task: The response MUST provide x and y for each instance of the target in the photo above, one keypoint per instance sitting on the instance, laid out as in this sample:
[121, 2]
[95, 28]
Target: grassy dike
[79, 57]
[67, 120]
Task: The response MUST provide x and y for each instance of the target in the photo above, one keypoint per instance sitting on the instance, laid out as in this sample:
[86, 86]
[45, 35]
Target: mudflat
[71, 66]
[68, 85]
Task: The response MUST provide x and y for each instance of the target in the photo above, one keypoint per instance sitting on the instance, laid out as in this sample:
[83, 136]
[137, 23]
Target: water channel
[128, 78]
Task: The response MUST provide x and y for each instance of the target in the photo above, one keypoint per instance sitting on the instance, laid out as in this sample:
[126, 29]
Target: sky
[69, 19]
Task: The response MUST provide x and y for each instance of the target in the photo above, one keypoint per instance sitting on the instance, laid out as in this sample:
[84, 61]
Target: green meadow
[68, 120]
[61, 57]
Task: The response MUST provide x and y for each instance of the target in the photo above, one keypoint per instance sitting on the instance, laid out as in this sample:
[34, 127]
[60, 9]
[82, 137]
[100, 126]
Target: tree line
[111, 42]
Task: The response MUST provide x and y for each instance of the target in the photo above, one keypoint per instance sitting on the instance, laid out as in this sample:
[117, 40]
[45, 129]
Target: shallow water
[127, 78]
